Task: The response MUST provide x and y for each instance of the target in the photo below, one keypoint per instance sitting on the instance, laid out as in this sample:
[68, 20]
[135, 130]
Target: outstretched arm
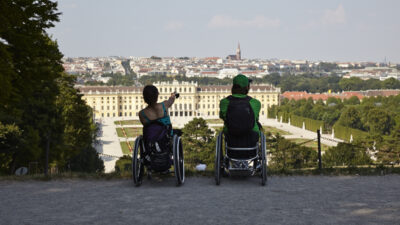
[168, 103]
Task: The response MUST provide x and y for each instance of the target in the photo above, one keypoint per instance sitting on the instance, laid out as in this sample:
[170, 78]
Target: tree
[345, 154]
[391, 83]
[351, 117]
[353, 100]
[379, 121]
[39, 108]
[198, 142]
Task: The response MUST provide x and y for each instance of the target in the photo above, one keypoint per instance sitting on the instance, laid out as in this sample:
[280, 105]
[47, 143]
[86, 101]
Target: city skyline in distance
[310, 30]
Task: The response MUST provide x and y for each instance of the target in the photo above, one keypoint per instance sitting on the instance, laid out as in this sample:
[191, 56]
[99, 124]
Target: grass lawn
[127, 122]
[312, 144]
[215, 121]
[130, 132]
[125, 149]
[275, 130]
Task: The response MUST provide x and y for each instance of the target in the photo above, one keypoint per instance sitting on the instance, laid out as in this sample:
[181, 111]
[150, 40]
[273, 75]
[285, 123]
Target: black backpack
[157, 138]
[240, 116]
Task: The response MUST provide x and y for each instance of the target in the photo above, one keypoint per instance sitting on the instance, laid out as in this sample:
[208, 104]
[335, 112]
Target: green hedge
[310, 124]
[344, 133]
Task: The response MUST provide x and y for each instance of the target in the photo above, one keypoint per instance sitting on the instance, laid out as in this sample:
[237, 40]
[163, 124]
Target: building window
[125, 114]
[108, 107]
[130, 106]
[190, 113]
[171, 113]
[181, 114]
[113, 107]
[113, 114]
[176, 113]
[102, 107]
[208, 112]
[102, 115]
[130, 113]
[108, 114]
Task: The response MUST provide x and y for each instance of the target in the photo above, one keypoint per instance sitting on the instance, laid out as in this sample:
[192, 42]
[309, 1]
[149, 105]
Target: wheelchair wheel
[137, 162]
[179, 163]
[217, 165]
[263, 160]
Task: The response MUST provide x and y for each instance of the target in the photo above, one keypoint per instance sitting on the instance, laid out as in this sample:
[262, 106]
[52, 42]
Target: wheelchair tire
[217, 164]
[137, 162]
[179, 163]
[263, 161]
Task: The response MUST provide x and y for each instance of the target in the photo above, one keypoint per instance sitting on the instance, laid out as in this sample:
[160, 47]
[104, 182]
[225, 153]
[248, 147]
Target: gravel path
[285, 200]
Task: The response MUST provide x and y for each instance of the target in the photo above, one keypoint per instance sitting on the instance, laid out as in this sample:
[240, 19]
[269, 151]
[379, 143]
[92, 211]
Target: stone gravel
[285, 200]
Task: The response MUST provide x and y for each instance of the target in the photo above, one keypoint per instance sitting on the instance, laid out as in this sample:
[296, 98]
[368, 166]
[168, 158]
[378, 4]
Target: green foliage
[345, 133]
[285, 154]
[379, 121]
[124, 164]
[39, 105]
[389, 148]
[310, 124]
[198, 143]
[351, 117]
[352, 101]
[345, 154]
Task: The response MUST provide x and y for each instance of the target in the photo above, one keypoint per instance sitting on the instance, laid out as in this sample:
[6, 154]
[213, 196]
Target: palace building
[194, 100]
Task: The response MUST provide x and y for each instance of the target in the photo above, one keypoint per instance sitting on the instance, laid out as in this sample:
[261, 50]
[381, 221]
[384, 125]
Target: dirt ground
[285, 200]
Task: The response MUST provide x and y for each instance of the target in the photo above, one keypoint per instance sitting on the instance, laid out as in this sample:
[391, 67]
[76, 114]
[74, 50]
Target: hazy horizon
[307, 30]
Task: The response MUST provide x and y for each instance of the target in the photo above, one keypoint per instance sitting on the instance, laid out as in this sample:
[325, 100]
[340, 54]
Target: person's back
[155, 111]
[240, 113]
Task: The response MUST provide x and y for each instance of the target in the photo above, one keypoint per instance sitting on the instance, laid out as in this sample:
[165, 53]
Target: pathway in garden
[108, 144]
[299, 133]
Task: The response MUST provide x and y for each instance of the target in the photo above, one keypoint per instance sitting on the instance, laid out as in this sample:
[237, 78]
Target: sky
[329, 30]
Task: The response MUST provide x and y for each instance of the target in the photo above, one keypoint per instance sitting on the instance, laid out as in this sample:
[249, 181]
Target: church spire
[238, 52]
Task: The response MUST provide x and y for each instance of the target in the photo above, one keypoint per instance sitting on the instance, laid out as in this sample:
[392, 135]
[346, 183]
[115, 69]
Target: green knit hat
[241, 80]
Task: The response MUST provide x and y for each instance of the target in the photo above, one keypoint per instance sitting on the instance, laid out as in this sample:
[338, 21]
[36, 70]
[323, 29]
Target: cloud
[337, 16]
[173, 25]
[224, 21]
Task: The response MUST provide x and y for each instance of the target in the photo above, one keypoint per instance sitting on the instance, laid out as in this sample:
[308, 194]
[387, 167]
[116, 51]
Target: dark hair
[237, 89]
[150, 94]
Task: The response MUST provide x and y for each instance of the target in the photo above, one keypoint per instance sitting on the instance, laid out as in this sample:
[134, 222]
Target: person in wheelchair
[157, 129]
[245, 146]
[240, 114]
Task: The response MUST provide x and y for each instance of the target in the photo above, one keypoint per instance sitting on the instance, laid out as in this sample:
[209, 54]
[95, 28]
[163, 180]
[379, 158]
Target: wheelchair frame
[176, 155]
[242, 166]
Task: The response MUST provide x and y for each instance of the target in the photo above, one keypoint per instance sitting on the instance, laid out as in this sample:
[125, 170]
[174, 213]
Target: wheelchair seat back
[157, 142]
[242, 147]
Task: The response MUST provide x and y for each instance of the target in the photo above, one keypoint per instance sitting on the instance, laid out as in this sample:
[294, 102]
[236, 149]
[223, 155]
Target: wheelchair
[240, 161]
[141, 159]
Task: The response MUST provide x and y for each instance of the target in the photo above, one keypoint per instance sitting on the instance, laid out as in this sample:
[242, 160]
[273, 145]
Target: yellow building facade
[194, 100]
